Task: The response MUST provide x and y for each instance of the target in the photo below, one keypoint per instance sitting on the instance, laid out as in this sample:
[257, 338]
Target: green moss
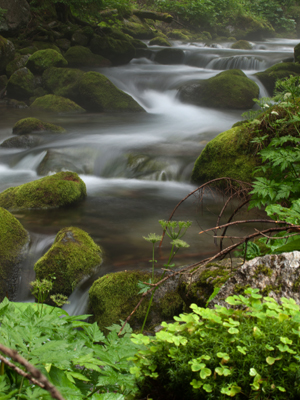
[46, 46]
[96, 93]
[29, 125]
[277, 71]
[61, 189]
[7, 53]
[229, 154]
[43, 59]
[118, 51]
[72, 256]
[14, 65]
[178, 35]
[242, 44]
[138, 30]
[21, 84]
[296, 284]
[59, 104]
[262, 270]
[271, 288]
[171, 304]
[159, 41]
[79, 56]
[62, 81]
[240, 289]
[28, 50]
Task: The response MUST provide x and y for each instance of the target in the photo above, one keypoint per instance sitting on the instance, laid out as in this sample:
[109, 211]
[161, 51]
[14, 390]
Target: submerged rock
[79, 56]
[59, 104]
[30, 125]
[21, 84]
[274, 275]
[229, 89]
[61, 189]
[73, 256]
[14, 241]
[114, 296]
[43, 59]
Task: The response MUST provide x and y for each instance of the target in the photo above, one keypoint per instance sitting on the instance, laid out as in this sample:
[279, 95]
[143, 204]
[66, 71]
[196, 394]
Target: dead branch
[276, 238]
[36, 375]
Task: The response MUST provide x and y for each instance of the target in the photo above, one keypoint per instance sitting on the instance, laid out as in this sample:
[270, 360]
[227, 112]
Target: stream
[136, 167]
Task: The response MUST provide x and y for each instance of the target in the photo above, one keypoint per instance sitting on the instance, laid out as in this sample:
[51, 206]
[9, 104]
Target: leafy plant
[250, 350]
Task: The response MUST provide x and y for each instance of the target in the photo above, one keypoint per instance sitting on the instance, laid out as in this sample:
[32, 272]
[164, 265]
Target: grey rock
[17, 15]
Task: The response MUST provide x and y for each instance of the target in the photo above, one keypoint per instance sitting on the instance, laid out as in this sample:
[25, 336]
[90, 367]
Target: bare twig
[37, 376]
[21, 372]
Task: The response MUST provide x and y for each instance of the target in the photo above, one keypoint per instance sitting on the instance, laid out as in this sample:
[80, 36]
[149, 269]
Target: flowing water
[136, 166]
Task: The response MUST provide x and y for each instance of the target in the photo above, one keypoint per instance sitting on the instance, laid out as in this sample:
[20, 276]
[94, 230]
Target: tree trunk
[63, 12]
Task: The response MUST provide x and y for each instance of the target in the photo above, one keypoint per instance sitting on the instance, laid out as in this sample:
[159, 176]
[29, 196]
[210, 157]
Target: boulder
[138, 44]
[73, 256]
[249, 28]
[169, 56]
[7, 53]
[16, 16]
[61, 189]
[63, 43]
[45, 46]
[160, 41]
[79, 56]
[28, 50]
[230, 154]
[118, 51]
[21, 142]
[3, 83]
[53, 103]
[60, 160]
[135, 28]
[297, 53]
[178, 35]
[242, 45]
[275, 276]
[30, 125]
[79, 39]
[43, 59]
[278, 71]
[96, 93]
[62, 81]
[14, 242]
[114, 296]
[21, 84]
[229, 89]
[17, 63]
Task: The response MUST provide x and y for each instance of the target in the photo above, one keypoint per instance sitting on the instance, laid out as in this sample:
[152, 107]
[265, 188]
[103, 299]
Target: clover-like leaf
[204, 373]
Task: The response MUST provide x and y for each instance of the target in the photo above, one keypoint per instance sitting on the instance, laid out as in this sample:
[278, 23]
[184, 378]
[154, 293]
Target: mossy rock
[63, 43]
[7, 53]
[249, 28]
[297, 53]
[230, 154]
[28, 50]
[62, 81]
[169, 56]
[58, 104]
[96, 93]
[17, 63]
[30, 125]
[3, 82]
[159, 41]
[118, 51]
[21, 142]
[138, 44]
[178, 35]
[73, 256]
[229, 89]
[61, 189]
[21, 84]
[278, 71]
[242, 45]
[43, 59]
[79, 56]
[79, 39]
[114, 296]
[45, 46]
[14, 241]
[138, 30]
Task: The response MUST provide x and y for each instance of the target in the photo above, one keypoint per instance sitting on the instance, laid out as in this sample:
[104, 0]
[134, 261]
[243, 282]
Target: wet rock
[160, 41]
[7, 53]
[21, 142]
[62, 81]
[169, 56]
[118, 51]
[14, 241]
[21, 84]
[17, 63]
[57, 104]
[56, 161]
[73, 256]
[16, 16]
[30, 125]
[61, 189]
[43, 59]
[79, 56]
[242, 45]
[274, 275]
[229, 89]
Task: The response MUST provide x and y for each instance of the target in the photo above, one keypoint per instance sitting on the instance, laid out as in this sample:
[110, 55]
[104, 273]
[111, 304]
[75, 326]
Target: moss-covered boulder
[45, 46]
[62, 81]
[159, 41]
[57, 104]
[242, 45]
[28, 50]
[13, 245]
[118, 51]
[79, 56]
[297, 53]
[7, 53]
[21, 142]
[61, 189]
[63, 43]
[114, 296]
[278, 71]
[73, 256]
[21, 84]
[229, 89]
[3, 82]
[178, 35]
[135, 28]
[30, 125]
[169, 56]
[230, 154]
[249, 28]
[43, 59]
[96, 93]
[79, 39]
[17, 63]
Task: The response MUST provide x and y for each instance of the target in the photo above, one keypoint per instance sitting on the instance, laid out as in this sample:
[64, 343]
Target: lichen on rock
[61, 189]
[73, 256]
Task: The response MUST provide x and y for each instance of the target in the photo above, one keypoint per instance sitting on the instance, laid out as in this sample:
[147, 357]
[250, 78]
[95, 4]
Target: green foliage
[251, 352]
[68, 352]
[2, 14]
